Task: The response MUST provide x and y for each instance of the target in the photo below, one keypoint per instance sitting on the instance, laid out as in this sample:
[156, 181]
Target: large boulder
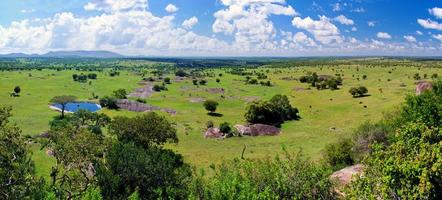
[344, 176]
[243, 130]
[213, 133]
[422, 86]
[257, 130]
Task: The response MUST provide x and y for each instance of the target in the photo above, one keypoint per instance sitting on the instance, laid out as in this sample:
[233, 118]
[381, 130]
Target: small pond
[76, 106]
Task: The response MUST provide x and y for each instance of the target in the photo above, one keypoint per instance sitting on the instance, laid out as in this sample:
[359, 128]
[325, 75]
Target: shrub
[181, 73]
[225, 128]
[339, 155]
[159, 88]
[167, 80]
[120, 94]
[275, 111]
[209, 124]
[109, 102]
[358, 92]
[203, 82]
[210, 105]
[289, 177]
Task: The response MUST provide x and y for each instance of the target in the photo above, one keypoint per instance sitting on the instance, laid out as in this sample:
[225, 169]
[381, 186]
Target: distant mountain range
[66, 54]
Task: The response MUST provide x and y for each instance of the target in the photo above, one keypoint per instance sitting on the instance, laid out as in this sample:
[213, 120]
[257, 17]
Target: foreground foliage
[289, 177]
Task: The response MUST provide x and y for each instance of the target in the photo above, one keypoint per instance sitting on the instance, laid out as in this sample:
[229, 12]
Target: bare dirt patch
[215, 90]
[141, 107]
[299, 89]
[143, 92]
[196, 100]
[251, 99]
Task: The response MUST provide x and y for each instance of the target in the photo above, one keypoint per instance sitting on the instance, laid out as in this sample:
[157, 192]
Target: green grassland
[326, 115]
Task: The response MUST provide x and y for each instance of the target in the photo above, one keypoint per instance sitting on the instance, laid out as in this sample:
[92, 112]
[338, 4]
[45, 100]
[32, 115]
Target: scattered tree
[63, 101]
[120, 94]
[210, 105]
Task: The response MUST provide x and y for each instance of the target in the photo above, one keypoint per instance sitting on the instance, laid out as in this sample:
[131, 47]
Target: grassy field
[326, 115]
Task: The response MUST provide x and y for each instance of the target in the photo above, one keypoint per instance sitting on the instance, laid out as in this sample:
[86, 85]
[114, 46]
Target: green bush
[289, 177]
[340, 154]
[275, 111]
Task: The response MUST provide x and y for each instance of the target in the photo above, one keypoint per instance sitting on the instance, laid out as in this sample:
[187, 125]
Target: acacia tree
[63, 101]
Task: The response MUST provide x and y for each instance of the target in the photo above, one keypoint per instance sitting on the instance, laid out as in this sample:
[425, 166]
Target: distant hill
[66, 54]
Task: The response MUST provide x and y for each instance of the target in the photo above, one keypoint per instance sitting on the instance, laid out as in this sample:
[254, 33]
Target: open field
[326, 115]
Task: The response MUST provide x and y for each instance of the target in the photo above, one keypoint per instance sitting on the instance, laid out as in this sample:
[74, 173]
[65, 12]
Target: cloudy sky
[224, 27]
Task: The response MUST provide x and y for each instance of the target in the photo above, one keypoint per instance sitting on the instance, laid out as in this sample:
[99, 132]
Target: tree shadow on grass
[362, 96]
[215, 114]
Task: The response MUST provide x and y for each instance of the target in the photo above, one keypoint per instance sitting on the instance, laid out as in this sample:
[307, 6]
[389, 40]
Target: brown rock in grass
[213, 133]
[344, 176]
[422, 86]
[257, 130]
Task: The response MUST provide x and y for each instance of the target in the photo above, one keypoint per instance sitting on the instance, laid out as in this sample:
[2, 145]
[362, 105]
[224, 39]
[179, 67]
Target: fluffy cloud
[336, 7]
[437, 12]
[371, 23]
[248, 21]
[323, 30]
[296, 41]
[170, 8]
[419, 33]
[383, 35]
[189, 23]
[344, 20]
[116, 5]
[130, 31]
[438, 37]
[410, 38]
[430, 24]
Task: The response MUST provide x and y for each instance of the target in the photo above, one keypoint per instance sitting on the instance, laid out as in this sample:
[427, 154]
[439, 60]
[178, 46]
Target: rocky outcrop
[344, 176]
[135, 106]
[257, 130]
[423, 86]
[213, 133]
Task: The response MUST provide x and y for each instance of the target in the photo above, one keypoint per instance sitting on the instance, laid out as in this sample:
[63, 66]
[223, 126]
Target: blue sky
[224, 27]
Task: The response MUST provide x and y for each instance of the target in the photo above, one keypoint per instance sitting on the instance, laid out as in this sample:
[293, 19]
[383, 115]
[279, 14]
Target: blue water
[74, 107]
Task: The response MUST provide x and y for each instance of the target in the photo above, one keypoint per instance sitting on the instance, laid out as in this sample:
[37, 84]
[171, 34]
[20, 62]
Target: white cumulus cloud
[437, 12]
[410, 38]
[170, 8]
[248, 21]
[344, 20]
[371, 23]
[189, 23]
[135, 31]
[323, 30]
[116, 5]
[438, 37]
[430, 24]
[383, 35]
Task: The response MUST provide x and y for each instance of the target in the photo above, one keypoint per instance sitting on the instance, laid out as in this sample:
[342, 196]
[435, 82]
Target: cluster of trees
[132, 163]
[84, 77]
[253, 81]
[401, 153]
[360, 91]
[200, 82]
[274, 112]
[322, 82]
[159, 88]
